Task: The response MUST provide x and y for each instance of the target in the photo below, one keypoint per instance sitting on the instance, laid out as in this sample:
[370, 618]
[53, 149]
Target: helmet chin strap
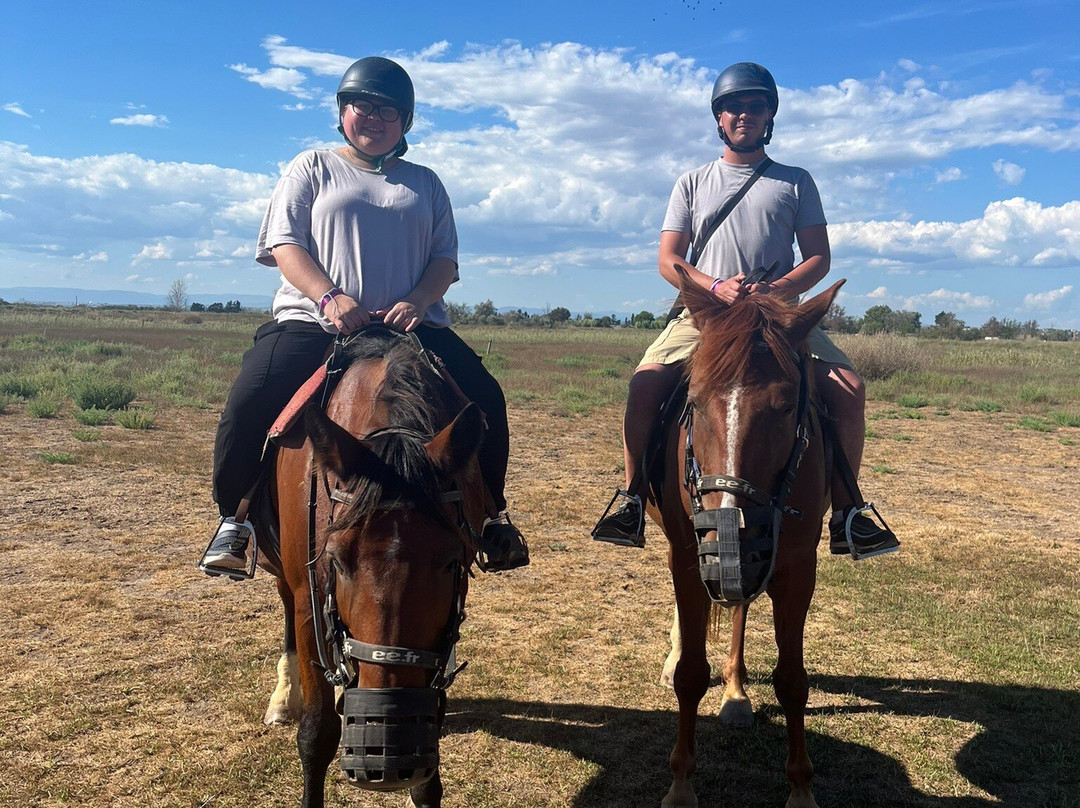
[379, 160]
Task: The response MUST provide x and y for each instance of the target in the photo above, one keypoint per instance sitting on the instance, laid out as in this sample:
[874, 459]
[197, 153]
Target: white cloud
[1043, 300]
[961, 301]
[951, 174]
[99, 257]
[131, 278]
[152, 252]
[880, 293]
[1009, 173]
[16, 109]
[286, 80]
[142, 119]
[909, 65]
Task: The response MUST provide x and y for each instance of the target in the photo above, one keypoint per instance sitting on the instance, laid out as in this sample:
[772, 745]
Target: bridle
[335, 648]
[742, 532]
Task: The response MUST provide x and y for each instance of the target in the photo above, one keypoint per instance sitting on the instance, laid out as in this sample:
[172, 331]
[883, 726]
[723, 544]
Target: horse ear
[456, 445]
[336, 450]
[811, 312]
[700, 302]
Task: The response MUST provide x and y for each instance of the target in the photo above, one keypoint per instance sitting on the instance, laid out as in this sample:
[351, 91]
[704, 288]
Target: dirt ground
[132, 679]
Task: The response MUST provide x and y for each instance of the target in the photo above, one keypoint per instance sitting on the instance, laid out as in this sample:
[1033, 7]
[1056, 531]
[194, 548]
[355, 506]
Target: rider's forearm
[668, 262]
[299, 268]
[437, 277]
[803, 277]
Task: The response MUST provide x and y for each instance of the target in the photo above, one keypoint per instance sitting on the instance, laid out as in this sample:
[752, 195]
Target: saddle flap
[291, 414]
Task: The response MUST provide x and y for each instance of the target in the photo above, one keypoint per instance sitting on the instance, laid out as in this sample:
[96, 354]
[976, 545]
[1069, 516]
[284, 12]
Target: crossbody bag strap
[723, 213]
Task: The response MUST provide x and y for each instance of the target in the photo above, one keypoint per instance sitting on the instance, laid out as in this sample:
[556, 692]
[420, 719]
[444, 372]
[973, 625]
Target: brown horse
[755, 479]
[376, 514]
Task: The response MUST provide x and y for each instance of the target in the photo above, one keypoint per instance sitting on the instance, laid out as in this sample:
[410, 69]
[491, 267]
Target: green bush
[86, 435]
[65, 458]
[42, 408]
[135, 419]
[1065, 418]
[103, 395]
[913, 400]
[20, 388]
[93, 417]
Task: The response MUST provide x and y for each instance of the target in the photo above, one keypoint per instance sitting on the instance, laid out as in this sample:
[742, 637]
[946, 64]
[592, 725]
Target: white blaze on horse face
[732, 442]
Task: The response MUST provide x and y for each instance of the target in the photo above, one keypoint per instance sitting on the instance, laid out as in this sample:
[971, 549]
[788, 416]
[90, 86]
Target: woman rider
[356, 233]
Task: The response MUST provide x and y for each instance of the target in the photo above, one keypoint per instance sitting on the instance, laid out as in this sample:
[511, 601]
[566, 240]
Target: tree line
[885, 320]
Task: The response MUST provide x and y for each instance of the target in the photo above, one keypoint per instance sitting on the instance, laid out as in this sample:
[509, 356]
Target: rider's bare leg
[845, 396]
[649, 389]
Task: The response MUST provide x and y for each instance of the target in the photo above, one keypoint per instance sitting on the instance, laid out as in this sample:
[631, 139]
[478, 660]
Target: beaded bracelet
[328, 297]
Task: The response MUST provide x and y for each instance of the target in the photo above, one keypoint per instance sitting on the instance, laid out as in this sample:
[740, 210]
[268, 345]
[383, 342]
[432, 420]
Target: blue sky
[139, 142]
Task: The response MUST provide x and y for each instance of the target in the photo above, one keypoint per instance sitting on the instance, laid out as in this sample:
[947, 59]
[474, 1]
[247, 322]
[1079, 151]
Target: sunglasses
[366, 108]
[735, 108]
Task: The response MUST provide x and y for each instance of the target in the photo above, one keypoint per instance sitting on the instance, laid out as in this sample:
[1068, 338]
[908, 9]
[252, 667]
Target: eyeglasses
[735, 108]
[365, 108]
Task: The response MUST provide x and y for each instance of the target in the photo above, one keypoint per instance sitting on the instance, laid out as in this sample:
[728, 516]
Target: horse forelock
[729, 337]
[413, 397]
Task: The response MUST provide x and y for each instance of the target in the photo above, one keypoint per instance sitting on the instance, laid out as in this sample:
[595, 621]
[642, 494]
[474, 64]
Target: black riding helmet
[745, 77]
[383, 81]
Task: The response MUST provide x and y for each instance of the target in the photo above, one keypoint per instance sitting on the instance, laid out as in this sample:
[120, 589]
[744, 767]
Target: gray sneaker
[227, 552]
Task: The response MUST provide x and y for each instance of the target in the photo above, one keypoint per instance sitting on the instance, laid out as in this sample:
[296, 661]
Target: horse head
[748, 423]
[404, 506]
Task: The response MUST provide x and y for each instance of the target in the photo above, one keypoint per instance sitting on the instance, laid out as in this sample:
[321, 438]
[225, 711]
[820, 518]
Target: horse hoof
[736, 713]
[667, 679]
[801, 801]
[277, 718]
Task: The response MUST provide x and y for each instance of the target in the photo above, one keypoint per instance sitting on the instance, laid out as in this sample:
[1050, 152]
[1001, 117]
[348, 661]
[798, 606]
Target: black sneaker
[868, 538]
[625, 527]
[227, 553]
[502, 546]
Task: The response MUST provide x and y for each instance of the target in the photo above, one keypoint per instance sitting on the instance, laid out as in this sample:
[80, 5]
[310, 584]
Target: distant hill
[116, 297]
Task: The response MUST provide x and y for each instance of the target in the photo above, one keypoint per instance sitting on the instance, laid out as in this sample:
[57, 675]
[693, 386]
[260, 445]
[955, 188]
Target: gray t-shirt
[372, 233]
[760, 229]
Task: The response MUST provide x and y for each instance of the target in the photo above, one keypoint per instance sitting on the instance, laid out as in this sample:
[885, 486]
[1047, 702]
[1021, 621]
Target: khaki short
[676, 343]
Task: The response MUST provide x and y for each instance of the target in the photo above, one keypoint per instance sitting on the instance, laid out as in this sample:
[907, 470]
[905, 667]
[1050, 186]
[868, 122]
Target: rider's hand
[763, 288]
[346, 314]
[731, 290]
[403, 315]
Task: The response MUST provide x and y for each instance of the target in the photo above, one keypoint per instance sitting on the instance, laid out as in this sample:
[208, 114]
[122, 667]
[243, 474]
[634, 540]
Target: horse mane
[415, 398]
[730, 335]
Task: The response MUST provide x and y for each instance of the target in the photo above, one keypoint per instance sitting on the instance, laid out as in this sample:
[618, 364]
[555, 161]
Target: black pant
[283, 357]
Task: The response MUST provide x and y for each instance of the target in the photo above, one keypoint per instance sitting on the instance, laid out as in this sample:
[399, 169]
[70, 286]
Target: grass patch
[86, 435]
[981, 406]
[43, 408]
[97, 395]
[136, 418]
[1035, 424]
[18, 387]
[881, 356]
[62, 458]
[883, 469]
[1065, 418]
[93, 417]
[913, 400]
[902, 438]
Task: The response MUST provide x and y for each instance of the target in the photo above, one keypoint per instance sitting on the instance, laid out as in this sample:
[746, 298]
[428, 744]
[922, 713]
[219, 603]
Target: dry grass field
[945, 676]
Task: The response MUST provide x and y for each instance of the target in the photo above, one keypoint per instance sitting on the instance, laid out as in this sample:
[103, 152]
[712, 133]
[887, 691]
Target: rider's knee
[652, 384]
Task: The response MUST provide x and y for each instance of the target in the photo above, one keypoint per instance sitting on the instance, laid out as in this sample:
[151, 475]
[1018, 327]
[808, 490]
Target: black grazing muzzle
[390, 736]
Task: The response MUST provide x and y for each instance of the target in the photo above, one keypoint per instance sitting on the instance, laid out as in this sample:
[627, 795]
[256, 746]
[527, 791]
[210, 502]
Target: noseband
[737, 565]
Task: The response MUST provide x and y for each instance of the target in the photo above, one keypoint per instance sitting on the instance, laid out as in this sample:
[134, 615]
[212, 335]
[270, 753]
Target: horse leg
[427, 795]
[284, 707]
[691, 680]
[735, 708]
[791, 596]
[320, 727]
[667, 676]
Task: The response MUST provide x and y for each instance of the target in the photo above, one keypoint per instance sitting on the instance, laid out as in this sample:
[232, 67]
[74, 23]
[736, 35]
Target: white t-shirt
[759, 230]
[372, 233]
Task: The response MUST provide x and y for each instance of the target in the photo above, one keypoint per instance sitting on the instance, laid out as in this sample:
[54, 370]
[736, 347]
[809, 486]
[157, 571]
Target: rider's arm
[299, 268]
[673, 246]
[814, 247]
[408, 312]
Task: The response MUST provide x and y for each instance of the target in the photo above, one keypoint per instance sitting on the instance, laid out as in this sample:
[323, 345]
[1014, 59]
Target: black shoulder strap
[706, 234]
[725, 211]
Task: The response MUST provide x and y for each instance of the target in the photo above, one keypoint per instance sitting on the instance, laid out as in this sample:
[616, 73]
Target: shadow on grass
[1025, 755]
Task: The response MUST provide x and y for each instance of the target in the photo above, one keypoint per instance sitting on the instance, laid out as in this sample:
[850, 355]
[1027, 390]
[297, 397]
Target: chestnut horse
[376, 514]
[755, 483]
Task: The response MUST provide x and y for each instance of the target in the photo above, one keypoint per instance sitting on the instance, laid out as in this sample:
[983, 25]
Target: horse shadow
[1023, 754]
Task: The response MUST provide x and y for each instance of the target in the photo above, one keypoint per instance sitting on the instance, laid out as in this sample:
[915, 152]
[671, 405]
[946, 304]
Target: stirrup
[252, 555]
[621, 542]
[855, 554]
